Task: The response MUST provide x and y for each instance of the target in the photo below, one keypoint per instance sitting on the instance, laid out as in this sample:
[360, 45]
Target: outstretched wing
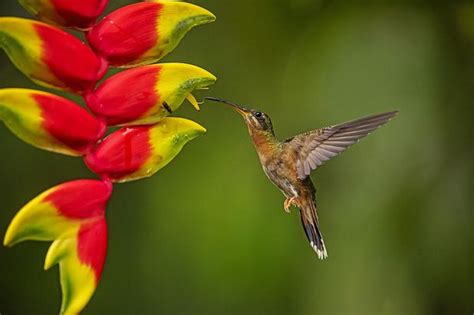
[313, 148]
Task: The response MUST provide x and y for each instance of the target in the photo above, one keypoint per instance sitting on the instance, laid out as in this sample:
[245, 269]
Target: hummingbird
[289, 163]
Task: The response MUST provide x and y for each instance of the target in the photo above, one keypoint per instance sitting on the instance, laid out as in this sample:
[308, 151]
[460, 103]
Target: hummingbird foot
[287, 204]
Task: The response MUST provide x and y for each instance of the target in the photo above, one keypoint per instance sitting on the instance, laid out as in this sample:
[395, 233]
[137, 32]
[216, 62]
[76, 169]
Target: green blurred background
[208, 235]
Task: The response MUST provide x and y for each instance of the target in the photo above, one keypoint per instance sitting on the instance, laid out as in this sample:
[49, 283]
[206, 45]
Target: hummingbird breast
[282, 173]
[278, 163]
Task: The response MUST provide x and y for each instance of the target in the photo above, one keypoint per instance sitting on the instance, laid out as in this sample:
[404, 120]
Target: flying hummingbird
[289, 163]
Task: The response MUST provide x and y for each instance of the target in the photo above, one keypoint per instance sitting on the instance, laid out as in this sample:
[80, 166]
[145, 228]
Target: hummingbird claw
[287, 204]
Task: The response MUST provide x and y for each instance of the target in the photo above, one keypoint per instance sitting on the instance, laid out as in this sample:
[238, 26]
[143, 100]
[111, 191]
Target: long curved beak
[239, 109]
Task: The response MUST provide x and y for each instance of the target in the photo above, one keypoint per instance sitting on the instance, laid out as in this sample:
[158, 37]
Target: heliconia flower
[72, 216]
[48, 121]
[147, 94]
[78, 14]
[143, 33]
[135, 152]
[50, 56]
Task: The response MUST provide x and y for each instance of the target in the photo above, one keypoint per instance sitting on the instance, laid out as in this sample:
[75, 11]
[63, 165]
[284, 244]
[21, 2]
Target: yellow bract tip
[188, 10]
[7, 241]
[56, 252]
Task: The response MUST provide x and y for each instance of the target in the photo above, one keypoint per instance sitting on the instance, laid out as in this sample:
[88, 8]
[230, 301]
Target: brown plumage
[288, 164]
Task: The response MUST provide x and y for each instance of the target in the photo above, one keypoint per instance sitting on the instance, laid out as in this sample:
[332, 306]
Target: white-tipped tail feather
[309, 219]
[322, 253]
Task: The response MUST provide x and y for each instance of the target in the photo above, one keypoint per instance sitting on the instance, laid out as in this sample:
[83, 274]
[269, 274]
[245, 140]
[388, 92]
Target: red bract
[50, 56]
[69, 123]
[146, 94]
[126, 96]
[80, 199]
[92, 246]
[135, 152]
[48, 121]
[122, 153]
[69, 59]
[71, 215]
[127, 33]
[79, 14]
[144, 32]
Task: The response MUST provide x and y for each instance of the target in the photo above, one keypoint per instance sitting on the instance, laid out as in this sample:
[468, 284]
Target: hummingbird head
[255, 119]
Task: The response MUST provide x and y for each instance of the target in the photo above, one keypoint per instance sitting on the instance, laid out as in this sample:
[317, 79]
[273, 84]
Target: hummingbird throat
[264, 141]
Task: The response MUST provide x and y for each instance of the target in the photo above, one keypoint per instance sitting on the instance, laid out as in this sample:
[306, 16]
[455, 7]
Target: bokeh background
[208, 235]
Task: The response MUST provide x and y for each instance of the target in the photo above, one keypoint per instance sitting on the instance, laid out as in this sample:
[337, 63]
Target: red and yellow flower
[48, 121]
[72, 215]
[132, 153]
[50, 56]
[144, 32]
[147, 94]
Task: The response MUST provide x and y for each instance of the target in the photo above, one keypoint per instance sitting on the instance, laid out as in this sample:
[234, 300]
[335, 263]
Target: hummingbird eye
[258, 114]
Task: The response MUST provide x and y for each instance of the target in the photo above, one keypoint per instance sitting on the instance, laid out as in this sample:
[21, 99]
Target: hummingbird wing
[315, 147]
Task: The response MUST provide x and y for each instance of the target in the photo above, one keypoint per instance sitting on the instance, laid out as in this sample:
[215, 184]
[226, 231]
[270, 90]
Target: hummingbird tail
[311, 228]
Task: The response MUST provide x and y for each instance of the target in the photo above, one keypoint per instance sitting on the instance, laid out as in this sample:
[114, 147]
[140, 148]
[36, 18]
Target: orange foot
[287, 204]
